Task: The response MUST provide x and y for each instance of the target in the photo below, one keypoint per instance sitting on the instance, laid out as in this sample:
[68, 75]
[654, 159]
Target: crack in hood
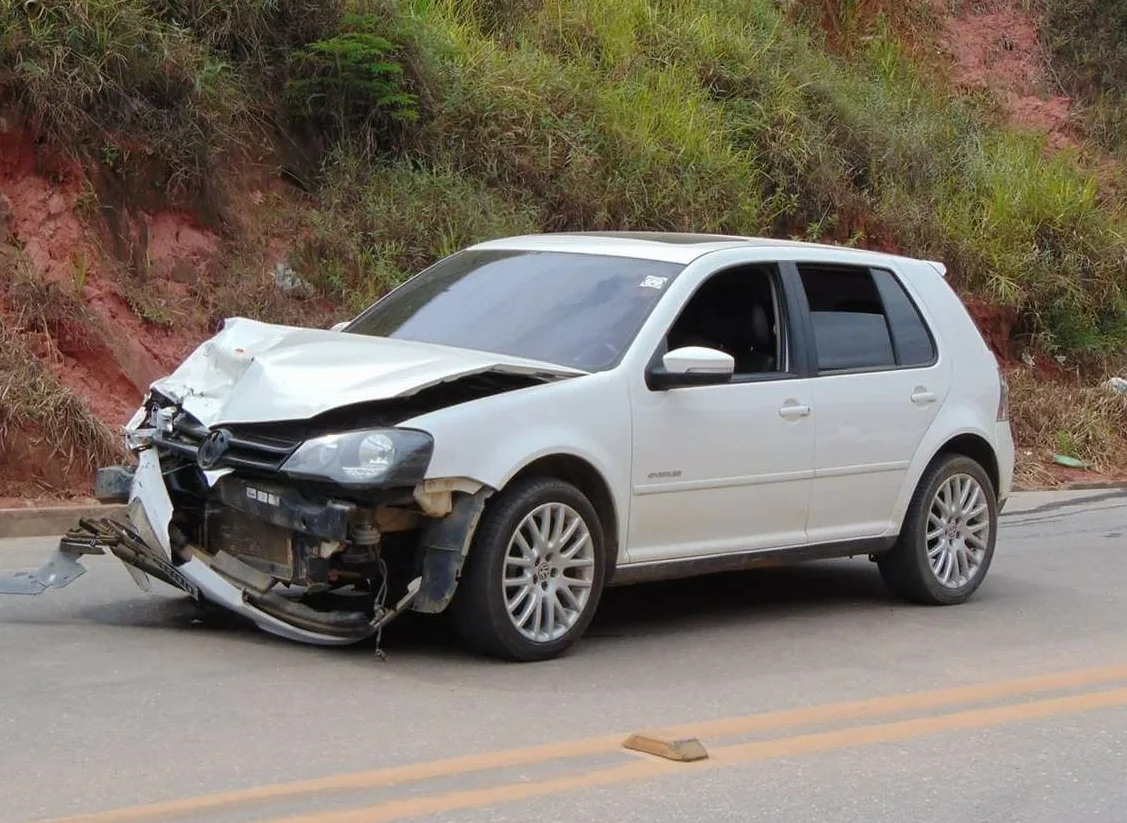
[252, 372]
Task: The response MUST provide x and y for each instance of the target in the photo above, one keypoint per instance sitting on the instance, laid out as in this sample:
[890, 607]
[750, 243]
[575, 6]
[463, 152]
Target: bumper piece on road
[96, 537]
[60, 570]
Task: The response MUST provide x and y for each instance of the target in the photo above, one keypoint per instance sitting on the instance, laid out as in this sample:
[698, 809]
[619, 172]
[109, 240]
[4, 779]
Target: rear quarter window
[914, 343]
[864, 319]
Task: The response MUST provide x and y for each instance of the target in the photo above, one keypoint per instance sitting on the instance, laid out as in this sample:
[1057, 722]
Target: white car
[535, 418]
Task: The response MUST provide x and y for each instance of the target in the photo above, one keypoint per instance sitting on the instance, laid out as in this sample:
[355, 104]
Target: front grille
[246, 448]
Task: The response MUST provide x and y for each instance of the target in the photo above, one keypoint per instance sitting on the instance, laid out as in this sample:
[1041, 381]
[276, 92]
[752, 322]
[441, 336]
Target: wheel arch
[907, 568]
[967, 440]
[978, 449]
[588, 479]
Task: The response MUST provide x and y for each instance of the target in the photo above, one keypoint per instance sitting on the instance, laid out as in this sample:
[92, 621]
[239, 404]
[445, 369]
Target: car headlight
[364, 458]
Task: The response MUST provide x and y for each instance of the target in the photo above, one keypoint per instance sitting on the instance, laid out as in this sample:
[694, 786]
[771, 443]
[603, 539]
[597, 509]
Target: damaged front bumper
[144, 545]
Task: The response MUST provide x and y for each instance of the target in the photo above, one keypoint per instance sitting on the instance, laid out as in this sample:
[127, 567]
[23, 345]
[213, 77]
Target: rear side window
[913, 342]
[863, 319]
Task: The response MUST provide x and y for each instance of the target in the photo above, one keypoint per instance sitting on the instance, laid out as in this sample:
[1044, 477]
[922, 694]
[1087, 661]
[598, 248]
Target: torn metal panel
[344, 626]
[150, 505]
[242, 573]
[60, 570]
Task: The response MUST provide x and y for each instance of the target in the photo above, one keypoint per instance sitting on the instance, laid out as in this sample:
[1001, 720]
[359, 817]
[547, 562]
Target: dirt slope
[106, 299]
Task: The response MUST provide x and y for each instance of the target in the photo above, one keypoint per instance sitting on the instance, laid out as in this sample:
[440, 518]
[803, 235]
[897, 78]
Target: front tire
[534, 574]
[947, 540]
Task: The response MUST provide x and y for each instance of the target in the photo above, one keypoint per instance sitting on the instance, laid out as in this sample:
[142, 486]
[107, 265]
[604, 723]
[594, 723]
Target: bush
[698, 115]
[1091, 37]
[350, 84]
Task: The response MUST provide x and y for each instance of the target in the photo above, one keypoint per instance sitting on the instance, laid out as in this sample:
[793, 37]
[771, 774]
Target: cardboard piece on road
[669, 746]
[50, 521]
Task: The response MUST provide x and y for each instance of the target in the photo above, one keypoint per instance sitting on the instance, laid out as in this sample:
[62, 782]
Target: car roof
[668, 247]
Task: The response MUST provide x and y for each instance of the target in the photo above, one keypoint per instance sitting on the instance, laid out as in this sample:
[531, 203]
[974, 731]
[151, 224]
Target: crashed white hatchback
[534, 418]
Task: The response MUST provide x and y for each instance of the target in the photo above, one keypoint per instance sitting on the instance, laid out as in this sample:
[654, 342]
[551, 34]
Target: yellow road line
[415, 772]
[722, 757]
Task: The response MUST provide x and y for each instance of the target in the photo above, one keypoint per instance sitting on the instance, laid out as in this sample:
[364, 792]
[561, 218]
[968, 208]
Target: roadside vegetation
[412, 127]
[48, 435]
[1089, 40]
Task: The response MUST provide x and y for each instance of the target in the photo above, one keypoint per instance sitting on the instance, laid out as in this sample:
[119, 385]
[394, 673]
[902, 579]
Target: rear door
[879, 383]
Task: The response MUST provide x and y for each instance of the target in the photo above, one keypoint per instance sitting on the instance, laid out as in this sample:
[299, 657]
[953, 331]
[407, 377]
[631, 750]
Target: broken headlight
[380, 457]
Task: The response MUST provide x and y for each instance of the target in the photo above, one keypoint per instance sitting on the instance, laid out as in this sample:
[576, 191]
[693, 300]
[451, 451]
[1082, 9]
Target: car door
[725, 468]
[879, 384]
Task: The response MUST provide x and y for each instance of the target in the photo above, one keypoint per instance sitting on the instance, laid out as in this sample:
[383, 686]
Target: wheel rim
[548, 573]
[958, 531]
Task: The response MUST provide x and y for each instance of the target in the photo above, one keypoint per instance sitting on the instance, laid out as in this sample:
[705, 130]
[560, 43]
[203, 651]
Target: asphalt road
[817, 695]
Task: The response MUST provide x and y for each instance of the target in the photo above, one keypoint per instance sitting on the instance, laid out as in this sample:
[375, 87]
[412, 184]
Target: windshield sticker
[654, 282]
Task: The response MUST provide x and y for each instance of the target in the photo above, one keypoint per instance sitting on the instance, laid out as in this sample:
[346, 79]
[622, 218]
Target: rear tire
[534, 574]
[947, 541]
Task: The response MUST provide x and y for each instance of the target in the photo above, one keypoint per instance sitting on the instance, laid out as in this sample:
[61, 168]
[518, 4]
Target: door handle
[922, 397]
[793, 411]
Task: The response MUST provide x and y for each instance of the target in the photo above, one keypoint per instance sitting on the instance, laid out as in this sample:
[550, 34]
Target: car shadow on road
[652, 610]
[682, 606]
[812, 587]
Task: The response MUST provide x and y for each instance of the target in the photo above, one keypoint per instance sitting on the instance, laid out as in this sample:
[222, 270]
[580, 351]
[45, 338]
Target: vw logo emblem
[212, 449]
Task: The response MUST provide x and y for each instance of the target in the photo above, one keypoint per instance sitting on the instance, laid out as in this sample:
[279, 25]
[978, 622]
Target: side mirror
[691, 366]
[339, 326]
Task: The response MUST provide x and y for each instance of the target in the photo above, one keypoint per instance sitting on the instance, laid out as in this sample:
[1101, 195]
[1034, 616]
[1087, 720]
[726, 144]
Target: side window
[738, 312]
[914, 343]
[863, 319]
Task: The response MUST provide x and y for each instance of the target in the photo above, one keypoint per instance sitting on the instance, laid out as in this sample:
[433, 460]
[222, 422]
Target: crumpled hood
[259, 372]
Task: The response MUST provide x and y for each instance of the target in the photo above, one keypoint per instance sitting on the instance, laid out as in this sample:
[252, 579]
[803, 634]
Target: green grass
[714, 115]
[161, 89]
[376, 225]
[442, 122]
[109, 77]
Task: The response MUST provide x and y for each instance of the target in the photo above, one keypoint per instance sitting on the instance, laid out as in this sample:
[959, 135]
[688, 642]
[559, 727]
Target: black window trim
[791, 321]
[793, 279]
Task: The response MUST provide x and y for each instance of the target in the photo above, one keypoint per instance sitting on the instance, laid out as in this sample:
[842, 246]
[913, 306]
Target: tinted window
[734, 312]
[914, 344]
[850, 328]
[578, 310]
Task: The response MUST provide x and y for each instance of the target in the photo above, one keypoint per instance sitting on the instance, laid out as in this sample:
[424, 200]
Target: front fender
[492, 439]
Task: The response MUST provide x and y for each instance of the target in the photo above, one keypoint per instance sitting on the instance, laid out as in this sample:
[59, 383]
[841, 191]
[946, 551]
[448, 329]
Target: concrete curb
[1077, 487]
[50, 521]
[1080, 487]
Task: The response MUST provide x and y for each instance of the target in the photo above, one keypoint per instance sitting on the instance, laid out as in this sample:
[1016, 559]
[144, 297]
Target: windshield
[577, 310]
